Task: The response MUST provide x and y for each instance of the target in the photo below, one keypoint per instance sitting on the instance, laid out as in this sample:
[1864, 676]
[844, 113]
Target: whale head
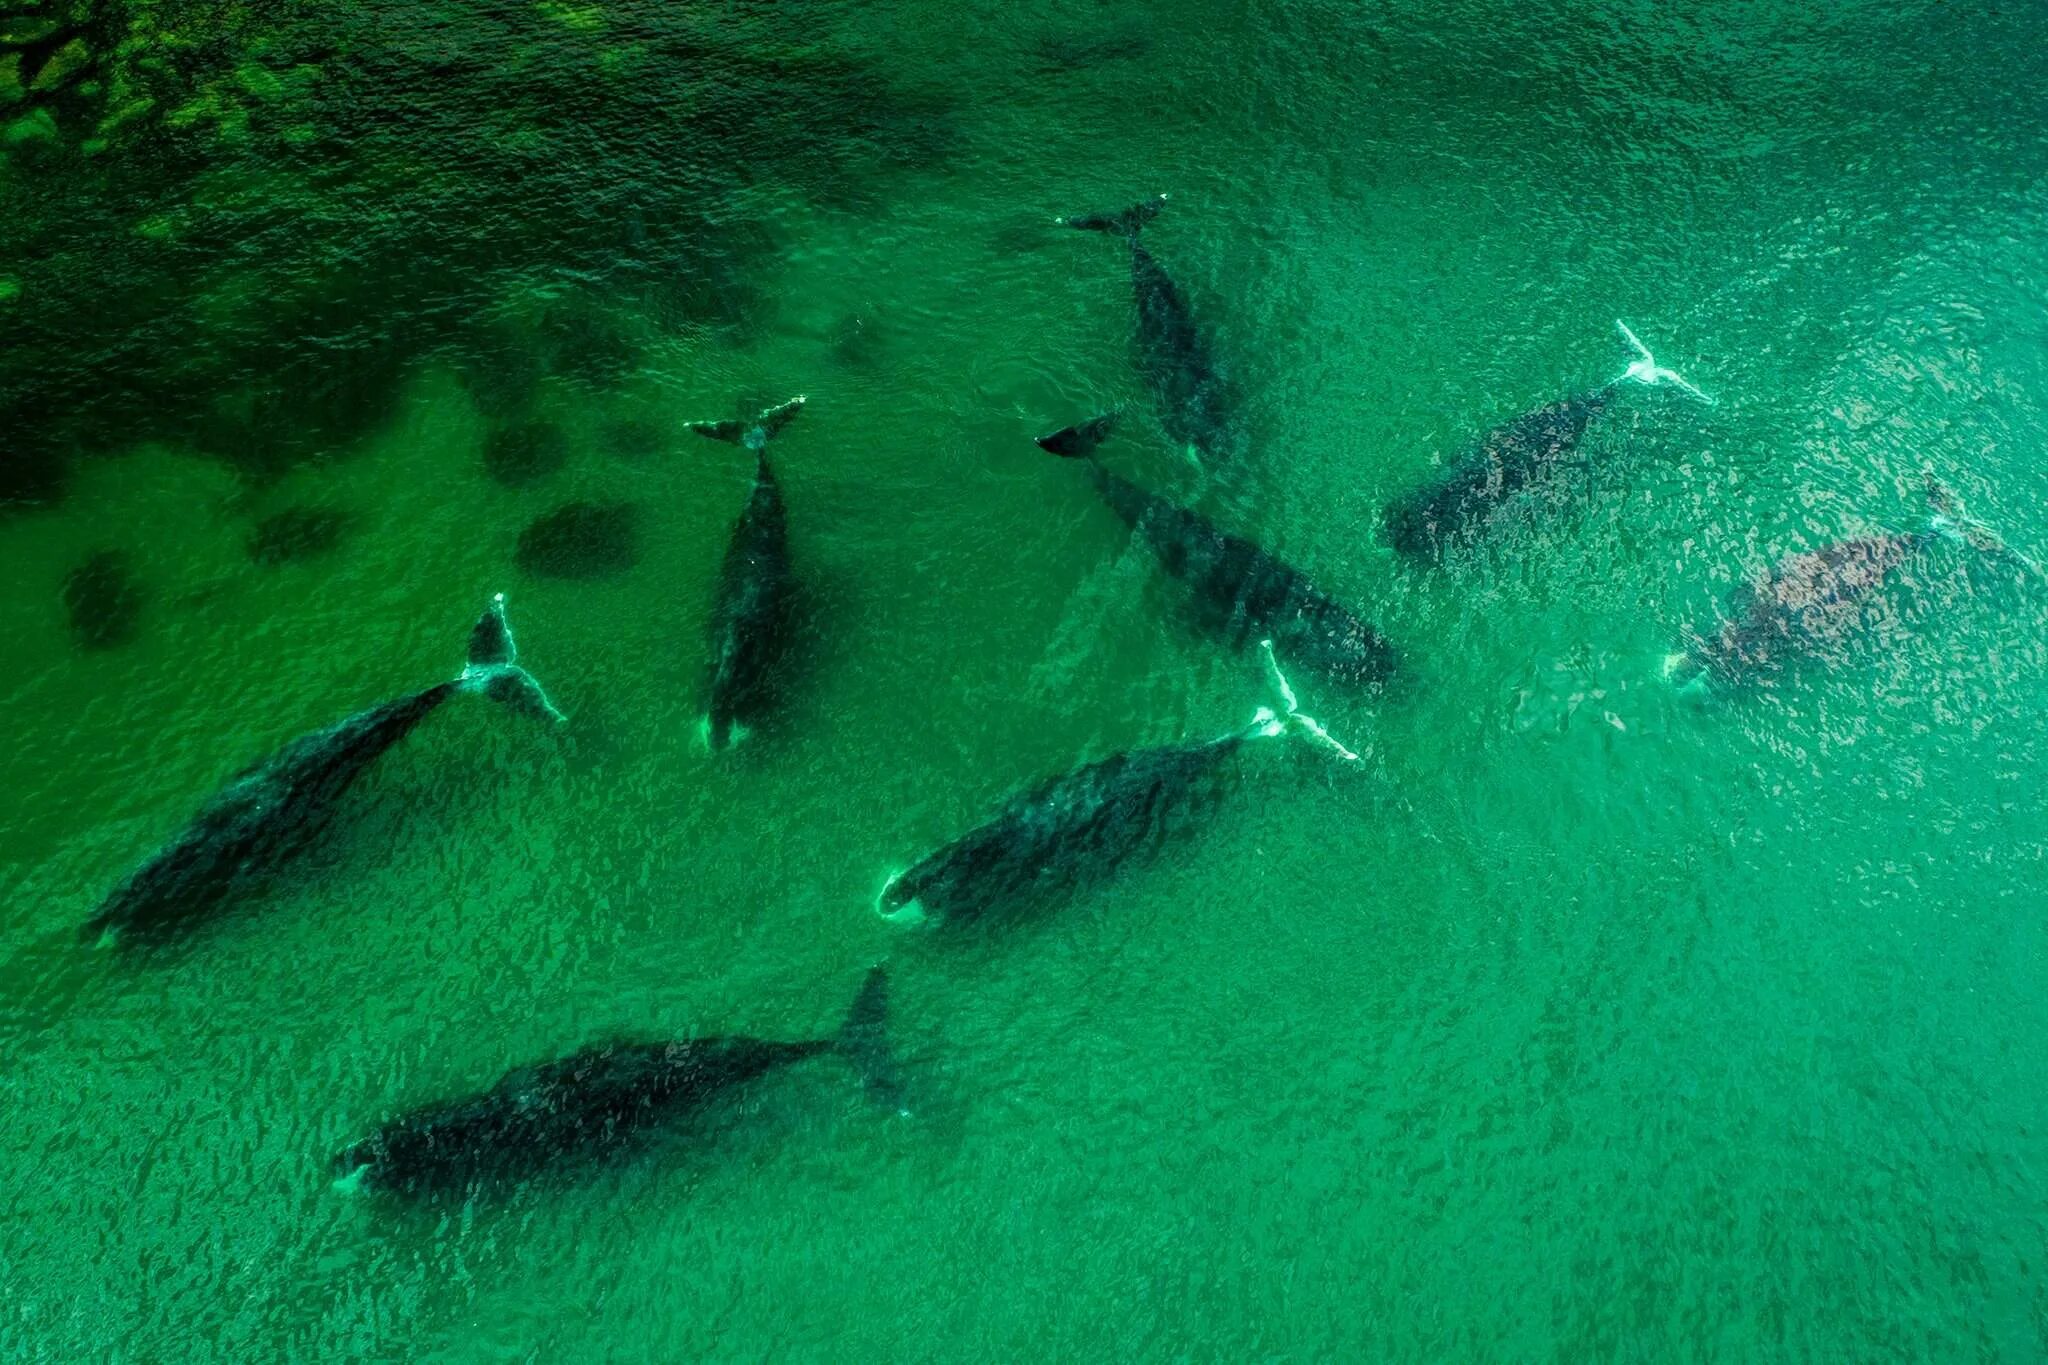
[898, 902]
[354, 1167]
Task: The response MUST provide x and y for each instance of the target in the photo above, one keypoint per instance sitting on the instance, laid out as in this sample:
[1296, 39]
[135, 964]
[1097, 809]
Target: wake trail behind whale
[1107, 595]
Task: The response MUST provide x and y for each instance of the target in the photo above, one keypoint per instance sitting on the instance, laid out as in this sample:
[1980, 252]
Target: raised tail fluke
[492, 667]
[756, 434]
[1124, 222]
[864, 1041]
[1079, 442]
[1948, 519]
[1646, 370]
[1268, 722]
[491, 641]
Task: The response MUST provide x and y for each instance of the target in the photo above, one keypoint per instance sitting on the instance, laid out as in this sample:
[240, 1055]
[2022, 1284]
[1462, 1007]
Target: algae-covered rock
[525, 454]
[581, 540]
[25, 30]
[66, 65]
[297, 534]
[37, 125]
[184, 184]
[637, 439]
[102, 602]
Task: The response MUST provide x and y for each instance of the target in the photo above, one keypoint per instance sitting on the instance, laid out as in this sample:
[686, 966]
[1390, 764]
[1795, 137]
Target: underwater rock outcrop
[297, 534]
[202, 202]
[102, 602]
[636, 439]
[525, 454]
[581, 540]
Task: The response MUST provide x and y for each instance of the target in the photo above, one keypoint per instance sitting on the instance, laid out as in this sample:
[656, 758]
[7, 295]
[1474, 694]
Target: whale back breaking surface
[1809, 604]
[260, 818]
[588, 1102]
[1194, 402]
[1064, 833]
[1242, 593]
[1511, 458]
[751, 615]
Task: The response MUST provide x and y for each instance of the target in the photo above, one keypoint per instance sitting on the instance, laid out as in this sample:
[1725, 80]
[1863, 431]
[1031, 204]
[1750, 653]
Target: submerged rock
[637, 439]
[581, 540]
[525, 454]
[102, 601]
[297, 533]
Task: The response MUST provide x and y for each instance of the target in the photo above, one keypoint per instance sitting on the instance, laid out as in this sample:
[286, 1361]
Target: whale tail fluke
[493, 667]
[1268, 723]
[1646, 370]
[864, 1041]
[755, 434]
[1079, 442]
[491, 642]
[1124, 222]
[1948, 519]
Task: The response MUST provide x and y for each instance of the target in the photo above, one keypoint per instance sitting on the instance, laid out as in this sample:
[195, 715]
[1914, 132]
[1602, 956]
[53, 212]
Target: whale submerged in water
[1196, 405]
[1812, 604]
[600, 1098]
[1080, 826]
[1516, 456]
[752, 614]
[1239, 591]
[274, 809]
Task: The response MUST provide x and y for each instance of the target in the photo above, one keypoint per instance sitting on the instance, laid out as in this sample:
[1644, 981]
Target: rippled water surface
[1581, 1020]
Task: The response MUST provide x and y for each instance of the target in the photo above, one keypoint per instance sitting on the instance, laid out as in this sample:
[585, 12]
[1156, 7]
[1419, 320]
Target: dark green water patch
[297, 534]
[525, 454]
[581, 540]
[636, 439]
[102, 601]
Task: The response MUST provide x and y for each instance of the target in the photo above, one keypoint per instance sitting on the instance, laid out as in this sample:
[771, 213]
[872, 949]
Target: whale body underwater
[1196, 405]
[1507, 460]
[1460, 501]
[1239, 592]
[599, 1099]
[752, 612]
[1804, 606]
[1078, 827]
[273, 810]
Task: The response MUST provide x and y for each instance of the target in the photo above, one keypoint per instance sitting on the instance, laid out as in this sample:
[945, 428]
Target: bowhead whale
[1078, 827]
[1196, 405]
[1239, 592]
[272, 810]
[1813, 604]
[598, 1099]
[751, 614]
[1522, 453]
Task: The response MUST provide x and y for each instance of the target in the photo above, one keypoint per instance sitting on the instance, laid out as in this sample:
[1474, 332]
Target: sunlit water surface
[1580, 1021]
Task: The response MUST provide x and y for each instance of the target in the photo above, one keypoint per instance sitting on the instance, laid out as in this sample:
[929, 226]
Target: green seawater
[1580, 1021]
